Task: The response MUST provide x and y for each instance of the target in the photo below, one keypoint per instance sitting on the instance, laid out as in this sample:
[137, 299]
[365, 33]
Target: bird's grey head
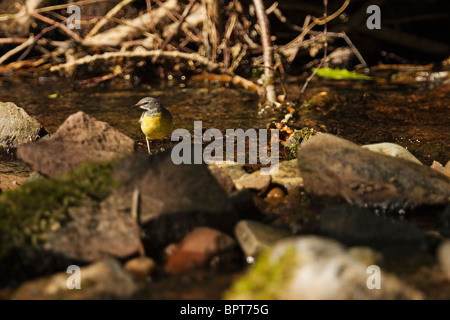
[149, 104]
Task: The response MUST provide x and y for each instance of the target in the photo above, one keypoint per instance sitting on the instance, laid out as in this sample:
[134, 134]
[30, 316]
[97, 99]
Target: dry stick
[168, 54]
[135, 214]
[267, 51]
[315, 22]
[142, 54]
[17, 49]
[342, 35]
[186, 12]
[62, 26]
[109, 15]
[26, 52]
[12, 40]
[325, 48]
[63, 6]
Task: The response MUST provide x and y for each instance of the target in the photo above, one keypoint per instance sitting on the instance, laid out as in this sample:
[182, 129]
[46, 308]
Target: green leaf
[53, 95]
[340, 74]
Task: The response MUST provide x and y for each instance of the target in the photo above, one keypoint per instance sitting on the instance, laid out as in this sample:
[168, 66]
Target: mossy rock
[26, 214]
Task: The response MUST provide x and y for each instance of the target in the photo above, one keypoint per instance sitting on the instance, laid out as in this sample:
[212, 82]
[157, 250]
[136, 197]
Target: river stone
[287, 174]
[255, 181]
[174, 199]
[315, 268]
[198, 248]
[94, 232]
[335, 168]
[103, 280]
[81, 138]
[17, 127]
[254, 237]
[443, 255]
[393, 150]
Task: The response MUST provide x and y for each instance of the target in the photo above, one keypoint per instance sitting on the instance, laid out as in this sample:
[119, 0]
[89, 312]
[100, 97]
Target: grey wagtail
[156, 121]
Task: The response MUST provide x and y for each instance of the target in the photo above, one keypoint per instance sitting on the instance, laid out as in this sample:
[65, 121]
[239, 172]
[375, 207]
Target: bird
[156, 121]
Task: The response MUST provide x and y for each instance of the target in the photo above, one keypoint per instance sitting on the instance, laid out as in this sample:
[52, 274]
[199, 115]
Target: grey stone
[256, 181]
[79, 139]
[94, 232]
[287, 174]
[254, 237]
[102, 280]
[393, 150]
[336, 169]
[17, 127]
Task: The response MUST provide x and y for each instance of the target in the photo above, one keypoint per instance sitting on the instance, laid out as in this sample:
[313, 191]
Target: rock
[198, 248]
[447, 169]
[437, 166]
[275, 196]
[94, 232]
[17, 127]
[140, 267]
[335, 169]
[317, 268]
[393, 150]
[254, 237]
[13, 175]
[102, 280]
[233, 169]
[360, 227]
[256, 181]
[443, 255]
[222, 178]
[287, 174]
[174, 199]
[79, 139]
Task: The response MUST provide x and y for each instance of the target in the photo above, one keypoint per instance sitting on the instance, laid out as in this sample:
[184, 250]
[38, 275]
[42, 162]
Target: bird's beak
[134, 105]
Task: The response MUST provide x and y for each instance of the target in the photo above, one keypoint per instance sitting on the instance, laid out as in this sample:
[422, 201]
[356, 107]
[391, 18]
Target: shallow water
[416, 117]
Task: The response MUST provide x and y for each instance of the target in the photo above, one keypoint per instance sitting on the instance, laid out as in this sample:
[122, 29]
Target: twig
[325, 3]
[267, 51]
[142, 54]
[17, 49]
[12, 40]
[62, 26]
[109, 15]
[186, 12]
[135, 215]
[45, 30]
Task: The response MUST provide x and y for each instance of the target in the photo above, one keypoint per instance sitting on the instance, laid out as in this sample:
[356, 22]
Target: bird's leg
[148, 145]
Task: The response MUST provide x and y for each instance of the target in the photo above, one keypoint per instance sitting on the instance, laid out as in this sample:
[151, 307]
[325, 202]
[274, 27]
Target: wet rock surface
[81, 138]
[336, 168]
[17, 127]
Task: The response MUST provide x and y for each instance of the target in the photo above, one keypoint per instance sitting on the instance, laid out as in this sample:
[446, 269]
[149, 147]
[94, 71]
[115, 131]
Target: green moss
[297, 137]
[41, 204]
[266, 279]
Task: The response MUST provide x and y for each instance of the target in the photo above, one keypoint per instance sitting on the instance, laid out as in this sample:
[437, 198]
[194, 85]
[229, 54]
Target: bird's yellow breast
[155, 126]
